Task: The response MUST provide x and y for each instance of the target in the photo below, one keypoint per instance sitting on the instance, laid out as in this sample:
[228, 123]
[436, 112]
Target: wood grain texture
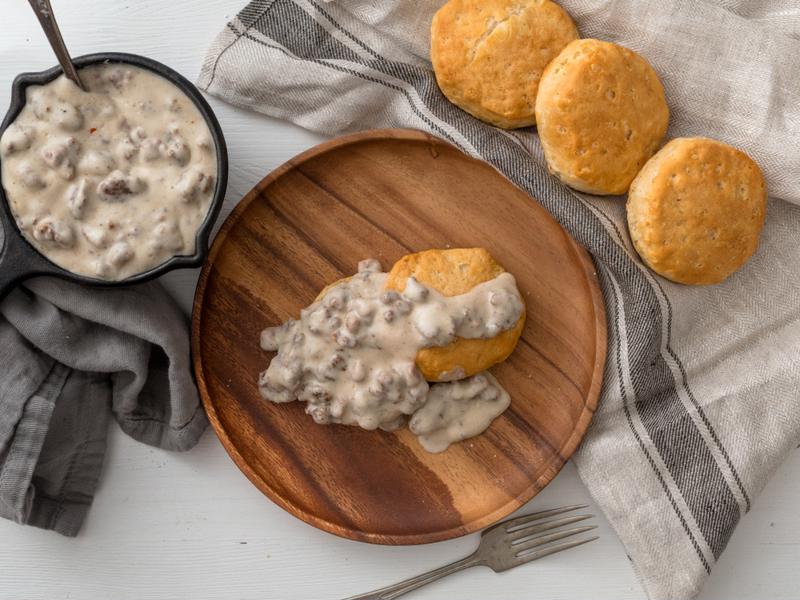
[384, 194]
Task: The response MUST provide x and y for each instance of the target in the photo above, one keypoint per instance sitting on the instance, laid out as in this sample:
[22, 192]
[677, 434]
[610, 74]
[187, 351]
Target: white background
[190, 525]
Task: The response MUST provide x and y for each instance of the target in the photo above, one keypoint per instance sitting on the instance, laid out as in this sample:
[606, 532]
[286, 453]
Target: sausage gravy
[110, 182]
[351, 356]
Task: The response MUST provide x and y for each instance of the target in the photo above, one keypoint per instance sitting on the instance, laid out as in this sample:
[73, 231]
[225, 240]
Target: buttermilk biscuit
[600, 115]
[453, 272]
[488, 55]
[696, 209]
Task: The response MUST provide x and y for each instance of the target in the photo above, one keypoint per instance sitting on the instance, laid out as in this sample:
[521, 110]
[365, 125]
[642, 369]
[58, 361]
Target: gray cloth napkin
[700, 401]
[71, 356]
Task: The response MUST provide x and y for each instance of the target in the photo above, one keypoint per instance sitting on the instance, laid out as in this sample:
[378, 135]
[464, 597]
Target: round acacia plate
[384, 194]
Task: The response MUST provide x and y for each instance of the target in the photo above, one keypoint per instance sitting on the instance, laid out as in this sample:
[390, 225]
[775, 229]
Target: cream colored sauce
[351, 356]
[110, 182]
[458, 410]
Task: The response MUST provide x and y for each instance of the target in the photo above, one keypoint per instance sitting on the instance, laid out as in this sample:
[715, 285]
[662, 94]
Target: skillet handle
[18, 260]
[13, 264]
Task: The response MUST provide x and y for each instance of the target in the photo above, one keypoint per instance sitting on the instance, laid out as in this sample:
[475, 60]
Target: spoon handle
[48, 22]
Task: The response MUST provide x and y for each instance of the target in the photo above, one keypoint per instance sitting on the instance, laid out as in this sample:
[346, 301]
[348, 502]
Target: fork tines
[526, 533]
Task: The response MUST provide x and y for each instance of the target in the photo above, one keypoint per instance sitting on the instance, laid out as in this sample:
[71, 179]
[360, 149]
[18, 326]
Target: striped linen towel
[700, 403]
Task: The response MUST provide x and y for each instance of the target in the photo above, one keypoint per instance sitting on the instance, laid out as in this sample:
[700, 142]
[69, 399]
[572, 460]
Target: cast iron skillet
[19, 260]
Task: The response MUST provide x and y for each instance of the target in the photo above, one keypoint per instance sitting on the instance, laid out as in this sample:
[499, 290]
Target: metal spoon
[48, 22]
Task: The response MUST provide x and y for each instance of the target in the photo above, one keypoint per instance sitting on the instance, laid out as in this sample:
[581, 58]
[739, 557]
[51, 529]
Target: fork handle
[398, 589]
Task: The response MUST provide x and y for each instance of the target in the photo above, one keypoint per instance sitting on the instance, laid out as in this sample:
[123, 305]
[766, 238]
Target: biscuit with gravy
[453, 272]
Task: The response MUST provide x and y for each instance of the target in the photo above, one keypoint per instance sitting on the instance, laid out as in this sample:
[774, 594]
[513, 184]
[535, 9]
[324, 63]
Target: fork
[503, 546]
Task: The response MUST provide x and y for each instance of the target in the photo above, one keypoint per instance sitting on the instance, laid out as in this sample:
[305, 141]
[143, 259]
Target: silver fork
[503, 546]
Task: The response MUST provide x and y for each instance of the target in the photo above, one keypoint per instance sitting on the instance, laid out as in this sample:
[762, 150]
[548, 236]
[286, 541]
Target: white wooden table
[190, 525]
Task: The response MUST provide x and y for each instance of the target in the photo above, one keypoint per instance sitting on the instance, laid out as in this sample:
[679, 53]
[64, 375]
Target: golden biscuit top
[488, 55]
[450, 272]
[601, 113]
[696, 210]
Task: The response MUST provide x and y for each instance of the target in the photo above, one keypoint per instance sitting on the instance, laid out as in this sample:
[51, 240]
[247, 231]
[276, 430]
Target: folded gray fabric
[71, 356]
[700, 400]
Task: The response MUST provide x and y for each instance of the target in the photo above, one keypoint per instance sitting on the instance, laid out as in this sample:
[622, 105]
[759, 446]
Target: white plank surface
[167, 526]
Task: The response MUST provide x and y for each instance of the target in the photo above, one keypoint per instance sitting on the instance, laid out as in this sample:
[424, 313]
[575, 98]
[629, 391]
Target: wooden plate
[384, 194]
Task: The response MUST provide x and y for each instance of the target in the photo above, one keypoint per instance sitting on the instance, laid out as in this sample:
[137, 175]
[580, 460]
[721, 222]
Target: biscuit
[452, 272]
[696, 209]
[488, 55]
[600, 114]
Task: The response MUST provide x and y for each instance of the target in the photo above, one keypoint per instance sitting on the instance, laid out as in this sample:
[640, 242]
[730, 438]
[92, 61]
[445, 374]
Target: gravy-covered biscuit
[452, 272]
[488, 55]
[600, 114]
[696, 209]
